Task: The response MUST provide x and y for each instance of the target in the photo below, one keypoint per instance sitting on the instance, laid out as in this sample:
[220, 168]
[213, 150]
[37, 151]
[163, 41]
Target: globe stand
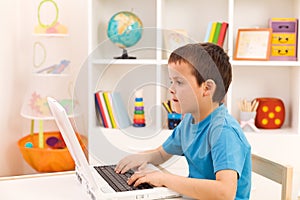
[125, 55]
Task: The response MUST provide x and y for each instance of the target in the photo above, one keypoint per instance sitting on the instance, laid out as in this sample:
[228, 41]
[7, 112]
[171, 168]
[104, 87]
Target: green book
[217, 32]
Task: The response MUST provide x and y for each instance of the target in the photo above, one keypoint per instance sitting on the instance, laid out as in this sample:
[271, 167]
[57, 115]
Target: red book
[222, 34]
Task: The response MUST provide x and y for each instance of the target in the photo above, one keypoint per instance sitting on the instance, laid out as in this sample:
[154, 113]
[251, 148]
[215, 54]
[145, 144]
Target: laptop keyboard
[118, 181]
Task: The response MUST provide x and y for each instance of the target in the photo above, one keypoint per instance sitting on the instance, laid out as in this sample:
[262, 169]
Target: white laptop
[96, 186]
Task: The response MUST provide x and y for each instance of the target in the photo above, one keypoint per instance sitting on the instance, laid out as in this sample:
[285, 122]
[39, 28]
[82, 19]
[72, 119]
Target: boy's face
[185, 91]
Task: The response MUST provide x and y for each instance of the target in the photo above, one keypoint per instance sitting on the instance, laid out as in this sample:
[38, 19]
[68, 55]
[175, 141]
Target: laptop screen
[71, 140]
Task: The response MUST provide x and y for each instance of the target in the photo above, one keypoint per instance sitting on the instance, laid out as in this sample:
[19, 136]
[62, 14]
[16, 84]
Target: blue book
[206, 39]
[120, 111]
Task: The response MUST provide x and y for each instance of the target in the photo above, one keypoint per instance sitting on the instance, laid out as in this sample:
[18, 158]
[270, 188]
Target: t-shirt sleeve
[173, 144]
[228, 150]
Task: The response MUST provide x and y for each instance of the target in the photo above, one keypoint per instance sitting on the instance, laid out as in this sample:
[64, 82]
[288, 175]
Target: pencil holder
[247, 121]
[173, 120]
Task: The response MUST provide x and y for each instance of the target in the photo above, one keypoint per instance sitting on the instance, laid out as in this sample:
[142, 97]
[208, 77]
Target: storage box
[284, 25]
[283, 52]
[284, 39]
[46, 159]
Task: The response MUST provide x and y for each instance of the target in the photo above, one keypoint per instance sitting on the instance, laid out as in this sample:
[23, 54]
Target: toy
[270, 113]
[139, 114]
[28, 145]
[55, 142]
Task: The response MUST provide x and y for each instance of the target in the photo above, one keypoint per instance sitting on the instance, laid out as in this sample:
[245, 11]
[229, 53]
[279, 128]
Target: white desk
[50, 186]
[55, 186]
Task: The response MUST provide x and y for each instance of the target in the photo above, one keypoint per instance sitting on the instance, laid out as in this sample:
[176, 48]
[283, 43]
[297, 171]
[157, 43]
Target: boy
[218, 154]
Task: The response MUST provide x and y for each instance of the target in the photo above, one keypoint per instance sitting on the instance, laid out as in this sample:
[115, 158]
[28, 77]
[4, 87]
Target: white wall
[279, 147]
[11, 91]
[17, 21]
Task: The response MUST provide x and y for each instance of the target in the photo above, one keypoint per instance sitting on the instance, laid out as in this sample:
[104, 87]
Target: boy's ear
[210, 87]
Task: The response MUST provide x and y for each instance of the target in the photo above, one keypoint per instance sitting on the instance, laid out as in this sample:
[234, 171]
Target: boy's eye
[177, 82]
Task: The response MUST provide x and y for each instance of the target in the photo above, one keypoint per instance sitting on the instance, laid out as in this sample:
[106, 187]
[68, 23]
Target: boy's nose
[172, 91]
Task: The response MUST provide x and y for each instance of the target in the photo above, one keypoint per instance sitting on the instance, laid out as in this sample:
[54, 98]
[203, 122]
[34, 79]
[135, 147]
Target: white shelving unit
[251, 79]
[270, 78]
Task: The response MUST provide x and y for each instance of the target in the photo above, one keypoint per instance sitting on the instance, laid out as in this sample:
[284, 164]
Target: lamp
[38, 149]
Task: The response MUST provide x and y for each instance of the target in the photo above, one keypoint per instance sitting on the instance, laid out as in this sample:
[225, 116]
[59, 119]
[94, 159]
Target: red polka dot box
[270, 113]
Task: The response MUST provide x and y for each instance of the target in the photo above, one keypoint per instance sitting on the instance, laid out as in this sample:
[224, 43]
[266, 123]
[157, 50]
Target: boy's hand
[152, 177]
[138, 161]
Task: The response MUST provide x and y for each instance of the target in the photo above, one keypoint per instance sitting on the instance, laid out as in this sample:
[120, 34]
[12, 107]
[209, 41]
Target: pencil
[166, 106]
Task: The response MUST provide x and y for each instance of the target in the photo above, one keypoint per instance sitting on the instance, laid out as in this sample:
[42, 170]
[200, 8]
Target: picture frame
[175, 38]
[253, 44]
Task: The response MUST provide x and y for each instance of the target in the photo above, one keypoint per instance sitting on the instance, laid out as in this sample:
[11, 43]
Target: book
[98, 111]
[120, 111]
[109, 110]
[212, 31]
[109, 125]
[222, 34]
[206, 39]
[217, 32]
[103, 110]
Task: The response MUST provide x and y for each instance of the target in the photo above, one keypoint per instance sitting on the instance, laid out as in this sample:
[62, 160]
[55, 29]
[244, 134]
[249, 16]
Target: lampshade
[58, 86]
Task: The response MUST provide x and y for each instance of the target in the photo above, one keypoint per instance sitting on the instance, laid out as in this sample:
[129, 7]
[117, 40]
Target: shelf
[266, 63]
[51, 75]
[125, 61]
[165, 62]
[51, 35]
[43, 118]
[280, 131]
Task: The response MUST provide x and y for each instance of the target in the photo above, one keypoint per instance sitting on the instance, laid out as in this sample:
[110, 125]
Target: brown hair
[209, 61]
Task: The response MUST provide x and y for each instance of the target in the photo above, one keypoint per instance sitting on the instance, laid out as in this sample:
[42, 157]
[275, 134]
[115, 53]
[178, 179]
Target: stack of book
[216, 32]
[110, 110]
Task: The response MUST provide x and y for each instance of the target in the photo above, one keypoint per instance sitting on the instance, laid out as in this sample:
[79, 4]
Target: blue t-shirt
[216, 143]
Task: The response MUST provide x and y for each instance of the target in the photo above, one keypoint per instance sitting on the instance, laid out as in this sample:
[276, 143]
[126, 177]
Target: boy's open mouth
[175, 100]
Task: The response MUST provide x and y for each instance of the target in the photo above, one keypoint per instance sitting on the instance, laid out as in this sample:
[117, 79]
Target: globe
[125, 30]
